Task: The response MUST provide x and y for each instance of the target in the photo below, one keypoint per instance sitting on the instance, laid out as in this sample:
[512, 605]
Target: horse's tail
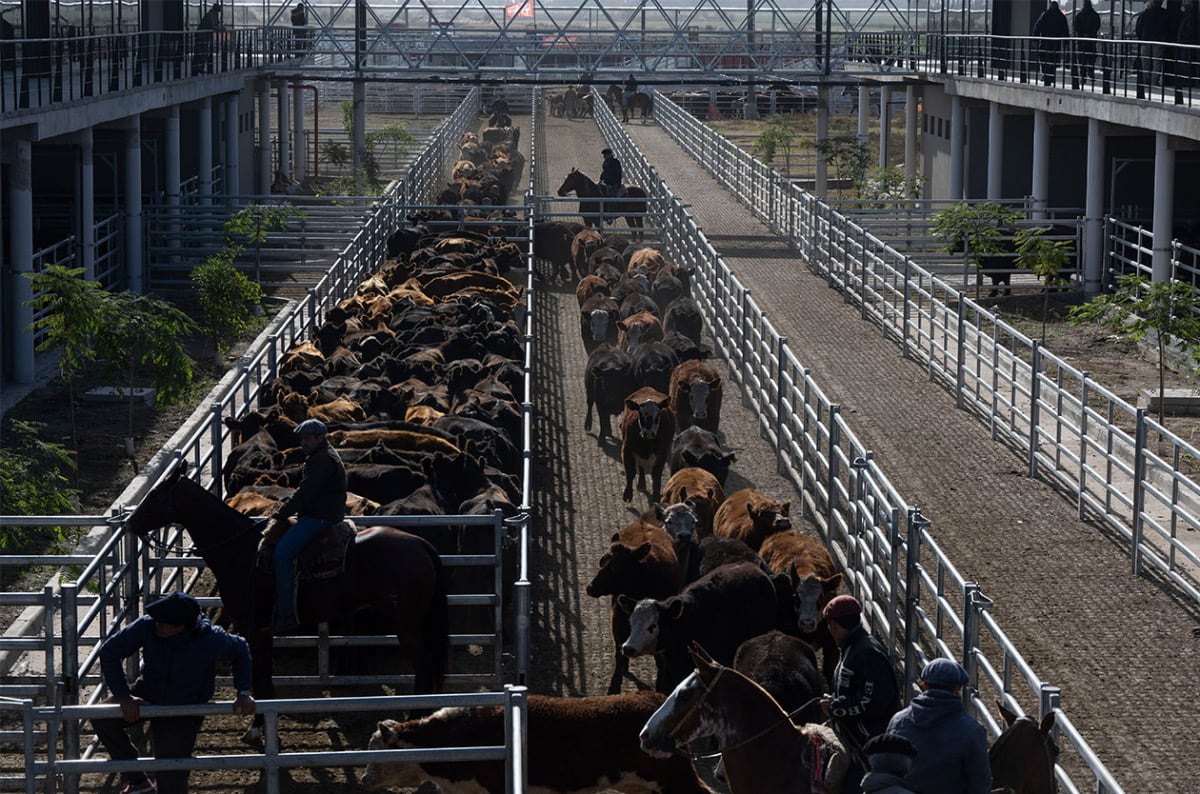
[435, 633]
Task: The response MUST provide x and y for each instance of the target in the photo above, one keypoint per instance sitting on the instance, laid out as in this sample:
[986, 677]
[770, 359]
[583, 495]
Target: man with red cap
[865, 694]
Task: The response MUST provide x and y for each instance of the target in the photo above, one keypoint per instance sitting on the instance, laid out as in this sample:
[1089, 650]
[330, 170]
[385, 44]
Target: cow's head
[810, 594]
[770, 517]
[698, 393]
[650, 413]
[615, 566]
[598, 320]
[390, 735]
[633, 334]
[681, 522]
[711, 461]
[647, 620]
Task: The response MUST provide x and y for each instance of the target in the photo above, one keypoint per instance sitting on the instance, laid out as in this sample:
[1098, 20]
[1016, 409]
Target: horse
[633, 205]
[1023, 757]
[397, 575]
[641, 102]
[760, 747]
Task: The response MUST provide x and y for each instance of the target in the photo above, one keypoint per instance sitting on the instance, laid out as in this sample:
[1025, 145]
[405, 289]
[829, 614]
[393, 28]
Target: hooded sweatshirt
[952, 752]
[888, 774]
[177, 670]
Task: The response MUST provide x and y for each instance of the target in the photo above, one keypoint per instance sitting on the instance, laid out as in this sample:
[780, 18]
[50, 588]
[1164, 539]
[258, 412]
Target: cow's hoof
[628, 495]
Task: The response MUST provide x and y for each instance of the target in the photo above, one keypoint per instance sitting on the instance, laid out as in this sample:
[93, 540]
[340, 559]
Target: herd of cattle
[489, 167]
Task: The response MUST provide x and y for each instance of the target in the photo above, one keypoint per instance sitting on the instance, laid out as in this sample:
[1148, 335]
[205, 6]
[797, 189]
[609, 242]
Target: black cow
[696, 446]
[608, 380]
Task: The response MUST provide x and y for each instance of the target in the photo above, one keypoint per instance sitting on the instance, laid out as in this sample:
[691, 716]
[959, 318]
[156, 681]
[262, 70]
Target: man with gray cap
[180, 650]
[952, 750]
[319, 503]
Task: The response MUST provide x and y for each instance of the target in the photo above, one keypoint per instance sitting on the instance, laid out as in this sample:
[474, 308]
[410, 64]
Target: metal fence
[42, 769]
[915, 597]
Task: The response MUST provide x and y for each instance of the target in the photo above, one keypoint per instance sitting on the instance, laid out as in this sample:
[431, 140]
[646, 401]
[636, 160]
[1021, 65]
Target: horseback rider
[631, 88]
[610, 173]
[865, 695]
[952, 748]
[319, 503]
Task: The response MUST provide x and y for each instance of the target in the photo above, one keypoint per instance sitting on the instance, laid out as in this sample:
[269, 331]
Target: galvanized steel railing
[915, 597]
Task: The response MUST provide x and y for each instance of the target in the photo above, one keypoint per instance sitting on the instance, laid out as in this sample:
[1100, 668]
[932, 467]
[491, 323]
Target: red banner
[521, 8]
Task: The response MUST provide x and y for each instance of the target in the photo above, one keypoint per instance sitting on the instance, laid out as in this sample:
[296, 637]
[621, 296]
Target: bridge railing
[914, 595]
[43, 769]
[1118, 463]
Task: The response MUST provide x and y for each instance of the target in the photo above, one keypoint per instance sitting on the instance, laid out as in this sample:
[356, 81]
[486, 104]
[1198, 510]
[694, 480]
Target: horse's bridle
[708, 688]
[256, 522]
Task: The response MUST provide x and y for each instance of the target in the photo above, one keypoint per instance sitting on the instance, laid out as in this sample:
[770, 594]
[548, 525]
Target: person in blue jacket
[180, 649]
[952, 750]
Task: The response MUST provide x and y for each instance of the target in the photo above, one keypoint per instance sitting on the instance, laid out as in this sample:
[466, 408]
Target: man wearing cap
[610, 173]
[889, 759]
[180, 649]
[319, 503]
[952, 750]
[865, 695]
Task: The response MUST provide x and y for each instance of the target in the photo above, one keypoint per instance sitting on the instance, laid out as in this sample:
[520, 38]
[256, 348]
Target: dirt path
[1061, 586]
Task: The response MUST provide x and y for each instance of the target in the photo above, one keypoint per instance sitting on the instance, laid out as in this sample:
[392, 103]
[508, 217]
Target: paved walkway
[1123, 650]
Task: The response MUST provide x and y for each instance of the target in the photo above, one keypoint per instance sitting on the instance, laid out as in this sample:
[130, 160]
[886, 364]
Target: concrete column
[171, 167]
[957, 148]
[87, 205]
[265, 159]
[20, 241]
[1041, 163]
[300, 150]
[205, 145]
[360, 127]
[864, 113]
[1093, 224]
[995, 155]
[1164, 206]
[910, 139]
[132, 194]
[885, 125]
[285, 131]
[233, 176]
[821, 184]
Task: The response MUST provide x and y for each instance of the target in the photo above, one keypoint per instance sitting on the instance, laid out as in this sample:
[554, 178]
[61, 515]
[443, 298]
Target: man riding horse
[610, 173]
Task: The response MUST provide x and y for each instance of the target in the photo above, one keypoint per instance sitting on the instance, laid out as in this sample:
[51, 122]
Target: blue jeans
[286, 552]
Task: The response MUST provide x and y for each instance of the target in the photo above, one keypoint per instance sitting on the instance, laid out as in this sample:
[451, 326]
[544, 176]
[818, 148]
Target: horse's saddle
[325, 556]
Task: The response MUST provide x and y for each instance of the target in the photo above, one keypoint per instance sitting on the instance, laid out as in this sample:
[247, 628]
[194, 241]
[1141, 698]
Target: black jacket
[864, 684]
[610, 172]
[322, 492]
[1087, 23]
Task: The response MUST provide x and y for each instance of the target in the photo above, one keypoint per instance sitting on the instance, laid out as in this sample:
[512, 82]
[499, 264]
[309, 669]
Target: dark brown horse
[641, 102]
[1023, 757]
[396, 574]
[630, 202]
[761, 749]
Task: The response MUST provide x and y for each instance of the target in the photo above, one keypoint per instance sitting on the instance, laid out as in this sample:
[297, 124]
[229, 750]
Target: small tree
[1045, 259]
[142, 330]
[976, 230]
[849, 156]
[32, 480]
[71, 310]
[887, 185]
[1139, 306]
[226, 300]
[778, 134]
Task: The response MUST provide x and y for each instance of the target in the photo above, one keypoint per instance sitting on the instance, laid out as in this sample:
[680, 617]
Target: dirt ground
[577, 501]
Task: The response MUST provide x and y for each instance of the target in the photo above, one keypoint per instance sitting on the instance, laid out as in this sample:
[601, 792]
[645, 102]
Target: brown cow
[588, 286]
[696, 393]
[649, 261]
[638, 329]
[701, 490]
[397, 440]
[341, 410]
[647, 427]
[303, 356]
[575, 745]
[582, 246]
[806, 562]
[640, 563]
[751, 517]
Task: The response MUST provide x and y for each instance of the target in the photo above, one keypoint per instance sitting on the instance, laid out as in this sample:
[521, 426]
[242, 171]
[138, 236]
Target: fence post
[271, 750]
[745, 345]
[1083, 445]
[912, 597]
[960, 352]
[857, 494]
[1139, 491]
[835, 438]
[862, 258]
[516, 723]
[974, 602]
[907, 308]
[215, 431]
[69, 594]
[1035, 393]
[780, 401]
[1050, 700]
[894, 540]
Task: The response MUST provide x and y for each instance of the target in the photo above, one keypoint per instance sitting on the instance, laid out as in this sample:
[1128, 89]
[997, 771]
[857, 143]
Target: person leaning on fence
[180, 649]
[952, 749]
[1151, 30]
[319, 503]
[610, 173]
[1087, 28]
[1189, 35]
[205, 33]
[865, 695]
[299, 29]
[1051, 28]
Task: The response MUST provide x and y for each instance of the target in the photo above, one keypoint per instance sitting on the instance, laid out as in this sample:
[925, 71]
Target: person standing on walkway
[952, 749]
[180, 649]
[1052, 29]
[1087, 28]
[299, 29]
[205, 34]
[1189, 35]
[1151, 30]
[865, 694]
[319, 503]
